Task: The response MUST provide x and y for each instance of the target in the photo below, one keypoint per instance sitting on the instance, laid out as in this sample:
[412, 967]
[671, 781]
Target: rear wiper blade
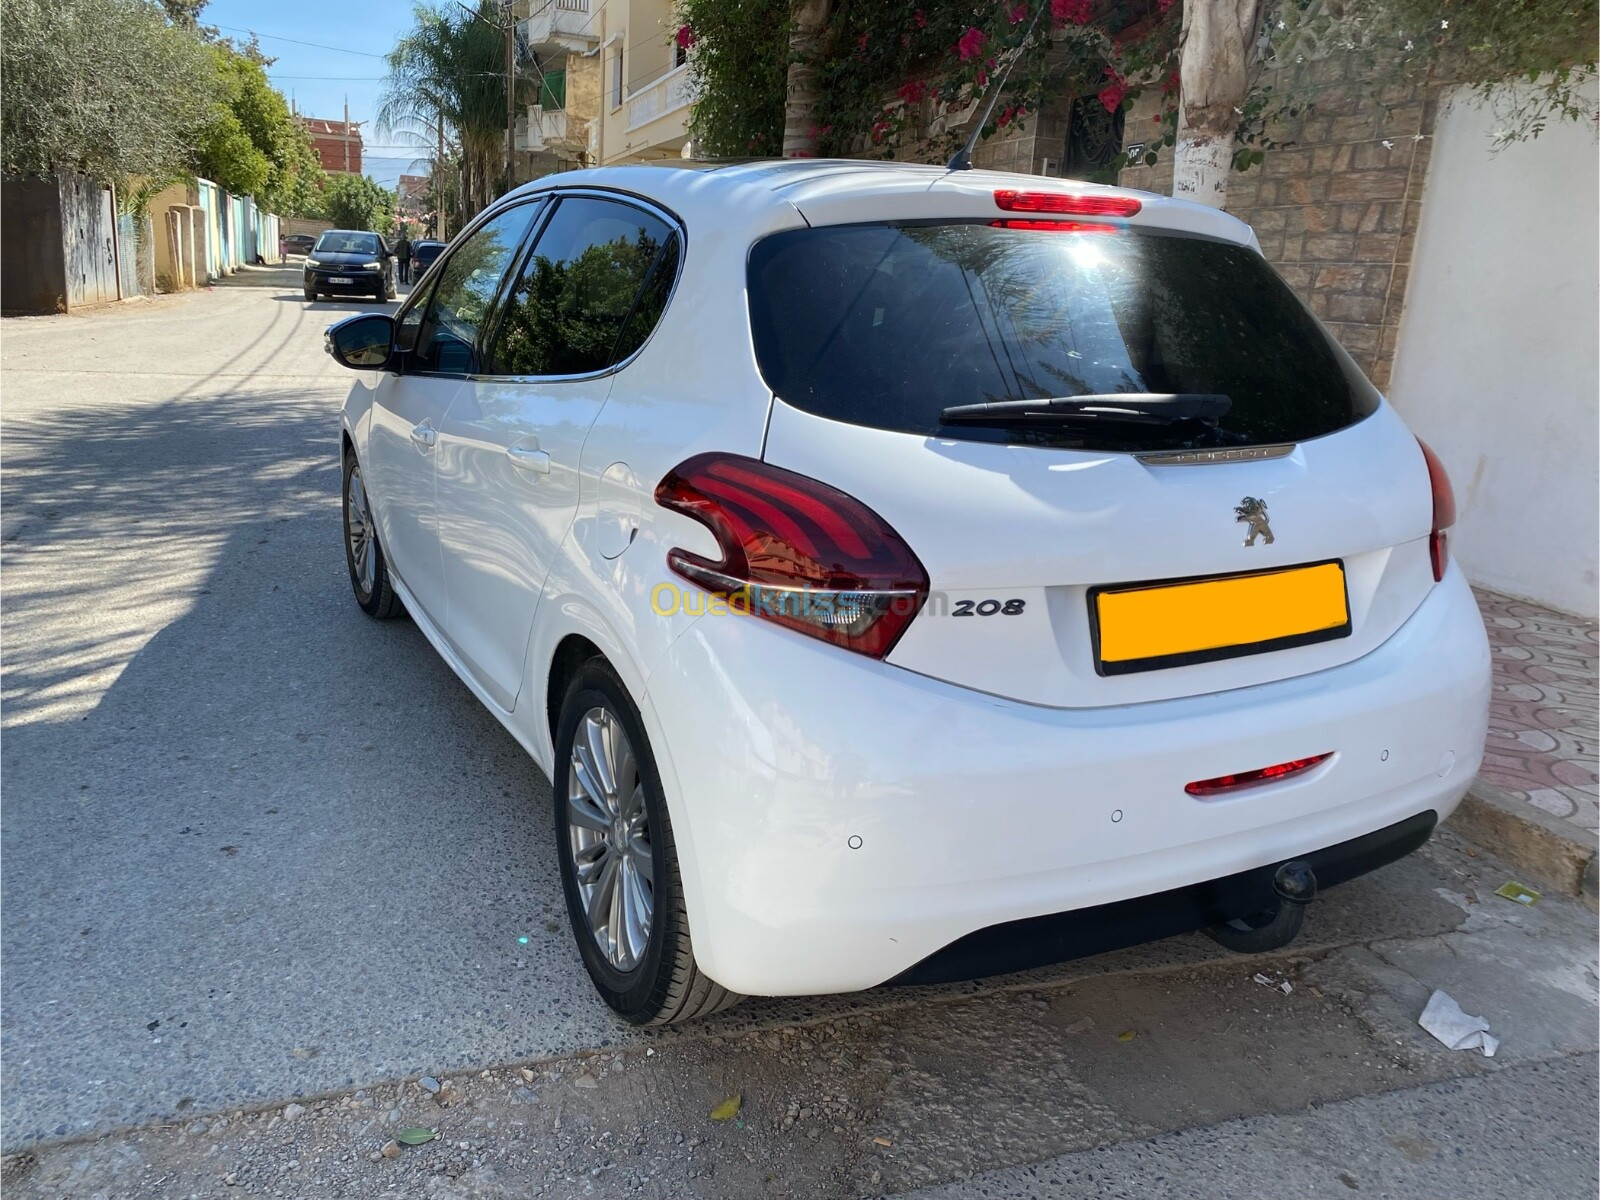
[1122, 408]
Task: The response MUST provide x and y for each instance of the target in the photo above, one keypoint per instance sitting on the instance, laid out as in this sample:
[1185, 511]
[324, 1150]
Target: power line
[278, 37]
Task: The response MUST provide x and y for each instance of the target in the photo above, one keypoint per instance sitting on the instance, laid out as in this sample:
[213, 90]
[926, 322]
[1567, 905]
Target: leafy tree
[106, 87]
[185, 13]
[741, 53]
[356, 202]
[252, 146]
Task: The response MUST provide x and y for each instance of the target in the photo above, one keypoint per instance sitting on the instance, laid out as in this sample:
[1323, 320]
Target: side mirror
[362, 343]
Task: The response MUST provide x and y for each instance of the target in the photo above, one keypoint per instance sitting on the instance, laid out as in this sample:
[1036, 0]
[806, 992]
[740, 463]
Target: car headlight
[372, 266]
[311, 262]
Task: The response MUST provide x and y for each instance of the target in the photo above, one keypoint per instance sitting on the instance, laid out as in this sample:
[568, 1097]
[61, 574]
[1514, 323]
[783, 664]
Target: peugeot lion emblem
[1253, 513]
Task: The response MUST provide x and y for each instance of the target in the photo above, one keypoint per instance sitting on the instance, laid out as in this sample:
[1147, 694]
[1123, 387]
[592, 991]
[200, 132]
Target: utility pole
[438, 183]
[511, 95]
[347, 135]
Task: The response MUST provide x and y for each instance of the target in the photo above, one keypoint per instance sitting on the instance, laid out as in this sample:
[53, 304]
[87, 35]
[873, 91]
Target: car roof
[373, 232]
[837, 191]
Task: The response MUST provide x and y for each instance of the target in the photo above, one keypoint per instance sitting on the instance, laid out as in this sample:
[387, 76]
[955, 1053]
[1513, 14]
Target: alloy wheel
[358, 529]
[608, 836]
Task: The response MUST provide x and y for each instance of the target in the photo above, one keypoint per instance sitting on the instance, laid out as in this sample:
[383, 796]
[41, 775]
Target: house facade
[613, 81]
[337, 142]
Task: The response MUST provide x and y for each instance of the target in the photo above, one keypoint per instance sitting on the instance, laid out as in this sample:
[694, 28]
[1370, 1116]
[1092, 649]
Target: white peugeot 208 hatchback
[907, 575]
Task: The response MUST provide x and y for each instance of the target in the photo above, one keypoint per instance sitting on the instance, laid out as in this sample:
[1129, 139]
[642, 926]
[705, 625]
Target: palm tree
[449, 71]
[809, 20]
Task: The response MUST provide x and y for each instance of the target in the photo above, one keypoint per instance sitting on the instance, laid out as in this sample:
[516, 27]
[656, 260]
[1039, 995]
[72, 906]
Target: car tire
[311, 296]
[369, 570]
[649, 976]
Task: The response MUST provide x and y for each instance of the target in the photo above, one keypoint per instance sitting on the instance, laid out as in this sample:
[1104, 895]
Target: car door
[438, 331]
[510, 445]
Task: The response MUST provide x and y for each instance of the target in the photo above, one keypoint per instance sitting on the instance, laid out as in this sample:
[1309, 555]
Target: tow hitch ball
[1296, 886]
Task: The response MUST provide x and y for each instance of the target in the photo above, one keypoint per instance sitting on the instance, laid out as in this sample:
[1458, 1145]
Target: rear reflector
[1010, 200]
[1058, 226]
[1231, 783]
[796, 552]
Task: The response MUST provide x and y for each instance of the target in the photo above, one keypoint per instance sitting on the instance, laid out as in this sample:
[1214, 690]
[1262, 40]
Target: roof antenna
[961, 160]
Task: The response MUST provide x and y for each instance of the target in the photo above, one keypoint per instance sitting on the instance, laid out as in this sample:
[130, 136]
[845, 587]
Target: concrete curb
[1552, 851]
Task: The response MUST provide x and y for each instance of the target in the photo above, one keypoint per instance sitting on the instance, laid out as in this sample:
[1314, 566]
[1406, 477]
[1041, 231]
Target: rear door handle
[529, 457]
[424, 435]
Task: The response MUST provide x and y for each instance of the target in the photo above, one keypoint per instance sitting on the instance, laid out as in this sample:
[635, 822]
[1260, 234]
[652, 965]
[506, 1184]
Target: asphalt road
[258, 847]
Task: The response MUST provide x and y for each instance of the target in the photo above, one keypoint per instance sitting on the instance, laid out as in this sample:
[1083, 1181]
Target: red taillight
[1444, 512]
[796, 551]
[1010, 200]
[1229, 783]
[1056, 226]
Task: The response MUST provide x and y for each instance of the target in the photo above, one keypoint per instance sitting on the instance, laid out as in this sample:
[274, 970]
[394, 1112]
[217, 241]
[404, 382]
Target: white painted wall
[1496, 366]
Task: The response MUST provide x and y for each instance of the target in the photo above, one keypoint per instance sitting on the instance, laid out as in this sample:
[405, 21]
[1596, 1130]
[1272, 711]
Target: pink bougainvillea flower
[1163, 5]
[1111, 95]
[878, 130]
[920, 19]
[912, 91]
[861, 42]
[971, 43]
[1021, 10]
[983, 79]
[1077, 12]
[1005, 116]
[685, 36]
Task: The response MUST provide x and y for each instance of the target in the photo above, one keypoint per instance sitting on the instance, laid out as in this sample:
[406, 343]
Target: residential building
[337, 143]
[614, 84]
[411, 198]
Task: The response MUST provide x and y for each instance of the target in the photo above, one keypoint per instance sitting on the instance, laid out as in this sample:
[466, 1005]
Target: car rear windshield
[348, 243]
[888, 325]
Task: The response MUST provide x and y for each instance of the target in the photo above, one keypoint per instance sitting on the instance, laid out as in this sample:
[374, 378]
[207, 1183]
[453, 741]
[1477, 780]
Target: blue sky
[351, 36]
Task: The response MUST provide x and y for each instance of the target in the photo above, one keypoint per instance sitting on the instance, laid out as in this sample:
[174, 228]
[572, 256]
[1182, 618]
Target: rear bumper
[839, 820]
[1060, 937]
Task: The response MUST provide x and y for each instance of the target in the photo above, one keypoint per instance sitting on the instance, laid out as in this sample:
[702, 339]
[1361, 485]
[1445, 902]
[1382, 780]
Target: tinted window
[423, 253]
[409, 323]
[466, 286]
[567, 312]
[338, 242]
[888, 325]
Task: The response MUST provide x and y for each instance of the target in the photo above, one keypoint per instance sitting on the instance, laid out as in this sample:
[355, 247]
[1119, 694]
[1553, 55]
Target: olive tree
[106, 87]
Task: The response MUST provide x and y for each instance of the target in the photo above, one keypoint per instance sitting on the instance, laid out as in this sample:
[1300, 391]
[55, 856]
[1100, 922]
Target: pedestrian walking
[403, 252]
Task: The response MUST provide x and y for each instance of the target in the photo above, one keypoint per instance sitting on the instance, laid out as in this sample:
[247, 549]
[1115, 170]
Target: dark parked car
[422, 255]
[350, 262]
[298, 243]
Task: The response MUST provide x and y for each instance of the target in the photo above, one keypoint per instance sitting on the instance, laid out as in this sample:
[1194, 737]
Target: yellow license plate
[1151, 626]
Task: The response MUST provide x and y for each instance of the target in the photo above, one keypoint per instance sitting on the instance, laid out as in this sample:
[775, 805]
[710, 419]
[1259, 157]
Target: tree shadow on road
[285, 832]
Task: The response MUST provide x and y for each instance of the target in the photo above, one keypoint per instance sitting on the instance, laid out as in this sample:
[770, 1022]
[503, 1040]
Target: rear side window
[888, 325]
[591, 292]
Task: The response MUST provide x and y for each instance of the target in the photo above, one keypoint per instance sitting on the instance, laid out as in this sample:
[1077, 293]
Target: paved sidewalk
[1542, 714]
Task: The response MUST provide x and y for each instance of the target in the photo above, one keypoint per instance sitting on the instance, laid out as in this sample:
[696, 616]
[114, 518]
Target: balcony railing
[541, 129]
[565, 24]
[666, 94]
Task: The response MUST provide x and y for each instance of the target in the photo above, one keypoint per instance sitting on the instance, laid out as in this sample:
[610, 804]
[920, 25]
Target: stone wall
[1337, 211]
